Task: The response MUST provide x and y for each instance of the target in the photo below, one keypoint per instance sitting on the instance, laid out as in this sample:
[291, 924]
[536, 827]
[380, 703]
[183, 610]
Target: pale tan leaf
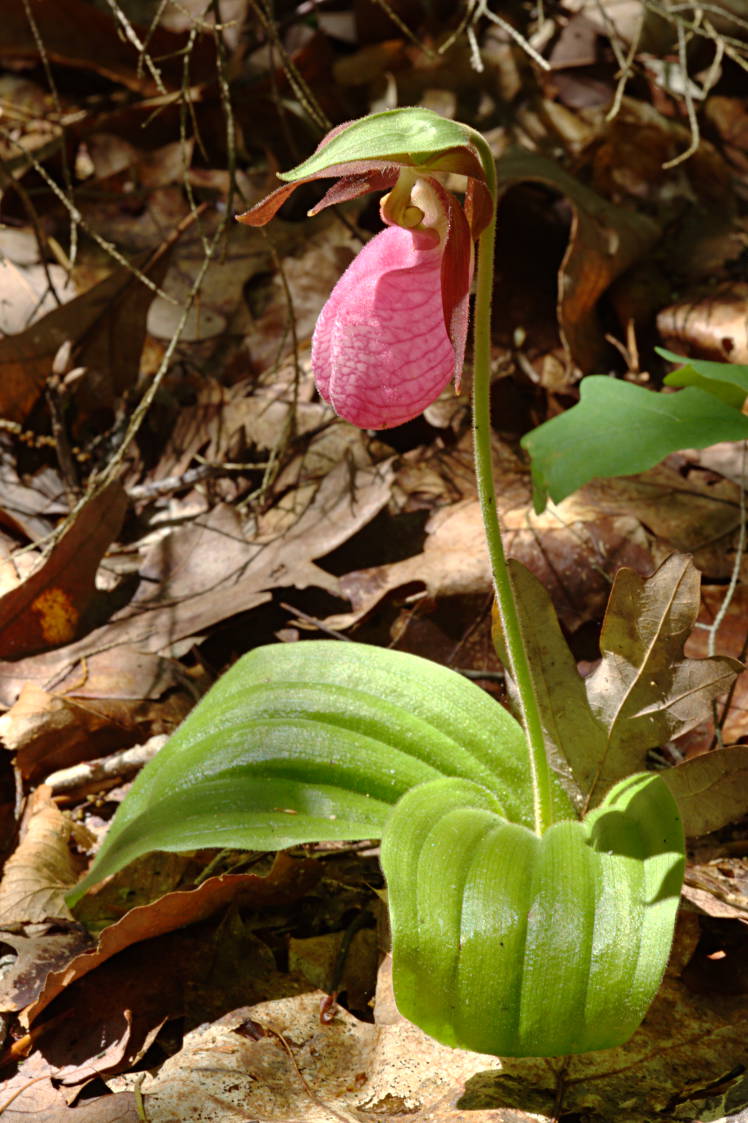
[711, 790]
[41, 870]
[645, 692]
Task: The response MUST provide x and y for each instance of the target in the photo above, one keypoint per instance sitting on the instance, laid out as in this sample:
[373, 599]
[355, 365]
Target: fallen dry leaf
[30, 506]
[711, 789]
[710, 325]
[287, 880]
[38, 954]
[729, 116]
[117, 673]
[571, 547]
[106, 326]
[211, 570]
[277, 1061]
[343, 1070]
[30, 1093]
[106, 1020]
[75, 35]
[689, 512]
[41, 870]
[49, 731]
[719, 887]
[48, 608]
[644, 691]
[119, 1108]
[604, 241]
[25, 294]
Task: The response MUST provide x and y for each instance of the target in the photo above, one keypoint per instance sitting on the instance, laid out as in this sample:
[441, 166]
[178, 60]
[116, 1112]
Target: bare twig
[481, 9]
[295, 79]
[740, 551]
[132, 37]
[108, 247]
[105, 770]
[58, 106]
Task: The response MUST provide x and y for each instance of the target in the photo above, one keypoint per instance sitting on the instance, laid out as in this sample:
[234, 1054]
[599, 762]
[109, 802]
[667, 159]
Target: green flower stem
[518, 662]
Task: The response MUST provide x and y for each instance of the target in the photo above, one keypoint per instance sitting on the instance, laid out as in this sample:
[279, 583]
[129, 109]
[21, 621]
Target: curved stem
[518, 662]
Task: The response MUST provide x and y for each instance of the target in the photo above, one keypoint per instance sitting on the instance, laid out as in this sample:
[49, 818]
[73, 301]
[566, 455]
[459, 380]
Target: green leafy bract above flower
[368, 155]
[411, 136]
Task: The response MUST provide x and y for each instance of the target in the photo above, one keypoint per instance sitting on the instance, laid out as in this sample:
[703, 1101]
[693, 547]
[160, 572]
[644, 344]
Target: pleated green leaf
[507, 943]
[312, 741]
[412, 135]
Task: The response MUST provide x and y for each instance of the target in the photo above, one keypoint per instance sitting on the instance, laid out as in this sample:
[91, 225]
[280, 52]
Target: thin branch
[58, 106]
[734, 578]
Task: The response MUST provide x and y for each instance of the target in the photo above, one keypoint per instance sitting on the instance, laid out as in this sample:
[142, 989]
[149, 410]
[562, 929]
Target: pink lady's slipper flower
[392, 334]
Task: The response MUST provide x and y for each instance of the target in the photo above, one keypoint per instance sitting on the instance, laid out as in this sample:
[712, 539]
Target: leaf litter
[241, 494]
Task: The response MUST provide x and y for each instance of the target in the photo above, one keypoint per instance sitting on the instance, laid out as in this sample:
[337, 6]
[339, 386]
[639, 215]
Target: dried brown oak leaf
[47, 609]
[41, 870]
[604, 241]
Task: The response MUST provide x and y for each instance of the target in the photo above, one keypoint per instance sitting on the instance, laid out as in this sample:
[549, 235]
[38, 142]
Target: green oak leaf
[618, 429]
[726, 381]
[518, 945]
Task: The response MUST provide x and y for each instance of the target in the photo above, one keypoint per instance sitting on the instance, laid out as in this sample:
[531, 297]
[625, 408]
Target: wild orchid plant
[517, 929]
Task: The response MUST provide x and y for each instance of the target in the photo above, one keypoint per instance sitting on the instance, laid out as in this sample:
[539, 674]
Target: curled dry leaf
[288, 879]
[41, 871]
[644, 691]
[571, 548]
[48, 608]
[50, 731]
[710, 325]
[604, 241]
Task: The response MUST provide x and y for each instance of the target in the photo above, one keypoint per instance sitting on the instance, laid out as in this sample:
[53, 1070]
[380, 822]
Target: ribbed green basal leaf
[313, 741]
[419, 134]
[507, 943]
